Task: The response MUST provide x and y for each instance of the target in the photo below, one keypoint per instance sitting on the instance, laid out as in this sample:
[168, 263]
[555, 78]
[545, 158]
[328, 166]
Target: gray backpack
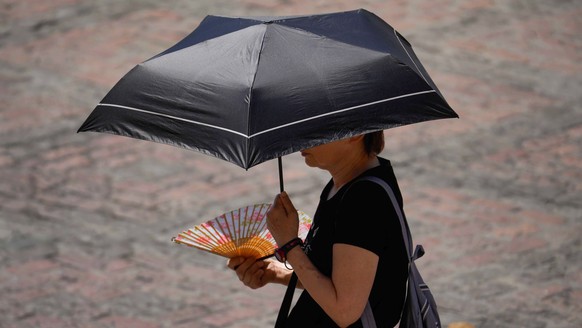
[420, 310]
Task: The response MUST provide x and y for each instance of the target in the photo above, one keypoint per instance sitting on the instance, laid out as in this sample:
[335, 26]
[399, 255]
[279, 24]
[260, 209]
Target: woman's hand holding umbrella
[282, 219]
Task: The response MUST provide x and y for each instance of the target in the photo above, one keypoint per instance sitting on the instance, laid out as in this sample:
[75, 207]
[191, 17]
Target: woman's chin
[309, 162]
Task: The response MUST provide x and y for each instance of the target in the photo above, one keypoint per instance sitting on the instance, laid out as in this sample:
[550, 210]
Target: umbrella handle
[281, 174]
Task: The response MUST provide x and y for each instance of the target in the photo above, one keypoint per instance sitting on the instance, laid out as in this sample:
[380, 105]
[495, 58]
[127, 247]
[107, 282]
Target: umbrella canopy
[247, 90]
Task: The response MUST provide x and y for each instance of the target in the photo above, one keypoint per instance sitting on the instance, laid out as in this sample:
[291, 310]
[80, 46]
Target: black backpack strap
[286, 305]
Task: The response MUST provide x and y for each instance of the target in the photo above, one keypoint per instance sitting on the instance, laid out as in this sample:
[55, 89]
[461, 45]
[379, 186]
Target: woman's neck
[350, 169]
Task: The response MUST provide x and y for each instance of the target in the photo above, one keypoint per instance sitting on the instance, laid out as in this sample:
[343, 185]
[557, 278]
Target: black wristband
[281, 252]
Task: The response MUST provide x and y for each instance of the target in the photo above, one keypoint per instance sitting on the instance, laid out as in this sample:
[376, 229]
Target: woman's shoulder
[383, 172]
[365, 189]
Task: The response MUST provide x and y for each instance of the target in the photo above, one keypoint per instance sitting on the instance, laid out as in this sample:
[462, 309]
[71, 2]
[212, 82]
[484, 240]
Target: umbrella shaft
[281, 174]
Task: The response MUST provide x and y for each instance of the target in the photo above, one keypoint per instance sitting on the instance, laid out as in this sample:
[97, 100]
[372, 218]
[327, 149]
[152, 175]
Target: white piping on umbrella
[174, 117]
[271, 129]
[340, 111]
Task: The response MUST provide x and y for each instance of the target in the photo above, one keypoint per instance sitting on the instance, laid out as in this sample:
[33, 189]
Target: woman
[354, 253]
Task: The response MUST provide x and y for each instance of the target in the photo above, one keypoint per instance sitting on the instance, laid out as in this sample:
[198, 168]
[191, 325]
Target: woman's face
[328, 155]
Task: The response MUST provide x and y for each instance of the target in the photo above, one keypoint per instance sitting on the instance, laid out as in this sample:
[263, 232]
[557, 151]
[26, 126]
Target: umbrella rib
[340, 111]
[247, 144]
[173, 117]
[408, 54]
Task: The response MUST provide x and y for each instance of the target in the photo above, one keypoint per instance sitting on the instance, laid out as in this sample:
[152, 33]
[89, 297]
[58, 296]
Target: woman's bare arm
[343, 296]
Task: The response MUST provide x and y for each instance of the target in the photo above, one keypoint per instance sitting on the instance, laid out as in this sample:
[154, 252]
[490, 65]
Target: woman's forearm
[344, 295]
[321, 288]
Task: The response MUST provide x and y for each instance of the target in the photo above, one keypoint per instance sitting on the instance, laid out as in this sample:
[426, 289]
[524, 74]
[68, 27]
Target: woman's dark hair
[374, 142]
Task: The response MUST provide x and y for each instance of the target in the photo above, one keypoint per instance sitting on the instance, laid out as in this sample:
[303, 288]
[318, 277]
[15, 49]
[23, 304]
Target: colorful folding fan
[242, 232]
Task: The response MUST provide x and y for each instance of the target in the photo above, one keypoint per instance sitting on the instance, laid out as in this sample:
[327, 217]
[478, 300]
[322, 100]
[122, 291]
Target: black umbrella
[247, 90]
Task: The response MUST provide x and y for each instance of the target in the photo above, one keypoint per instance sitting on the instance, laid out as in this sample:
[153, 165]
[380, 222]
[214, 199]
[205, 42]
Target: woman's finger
[250, 271]
[277, 204]
[234, 262]
[242, 268]
[287, 203]
[256, 280]
[276, 211]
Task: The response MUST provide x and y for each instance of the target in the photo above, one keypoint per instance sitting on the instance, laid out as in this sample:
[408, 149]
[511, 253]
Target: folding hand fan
[242, 232]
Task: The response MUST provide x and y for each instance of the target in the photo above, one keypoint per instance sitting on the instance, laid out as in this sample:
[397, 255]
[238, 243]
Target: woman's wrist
[282, 274]
[294, 252]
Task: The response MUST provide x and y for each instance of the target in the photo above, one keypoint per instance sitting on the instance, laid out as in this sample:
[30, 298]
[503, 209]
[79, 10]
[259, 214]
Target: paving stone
[86, 219]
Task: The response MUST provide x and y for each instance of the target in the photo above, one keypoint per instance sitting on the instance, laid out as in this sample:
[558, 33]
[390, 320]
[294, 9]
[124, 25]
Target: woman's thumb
[287, 203]
[234, 262]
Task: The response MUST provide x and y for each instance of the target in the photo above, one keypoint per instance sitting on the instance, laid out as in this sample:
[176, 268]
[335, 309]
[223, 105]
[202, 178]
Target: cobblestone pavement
[86, 219]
